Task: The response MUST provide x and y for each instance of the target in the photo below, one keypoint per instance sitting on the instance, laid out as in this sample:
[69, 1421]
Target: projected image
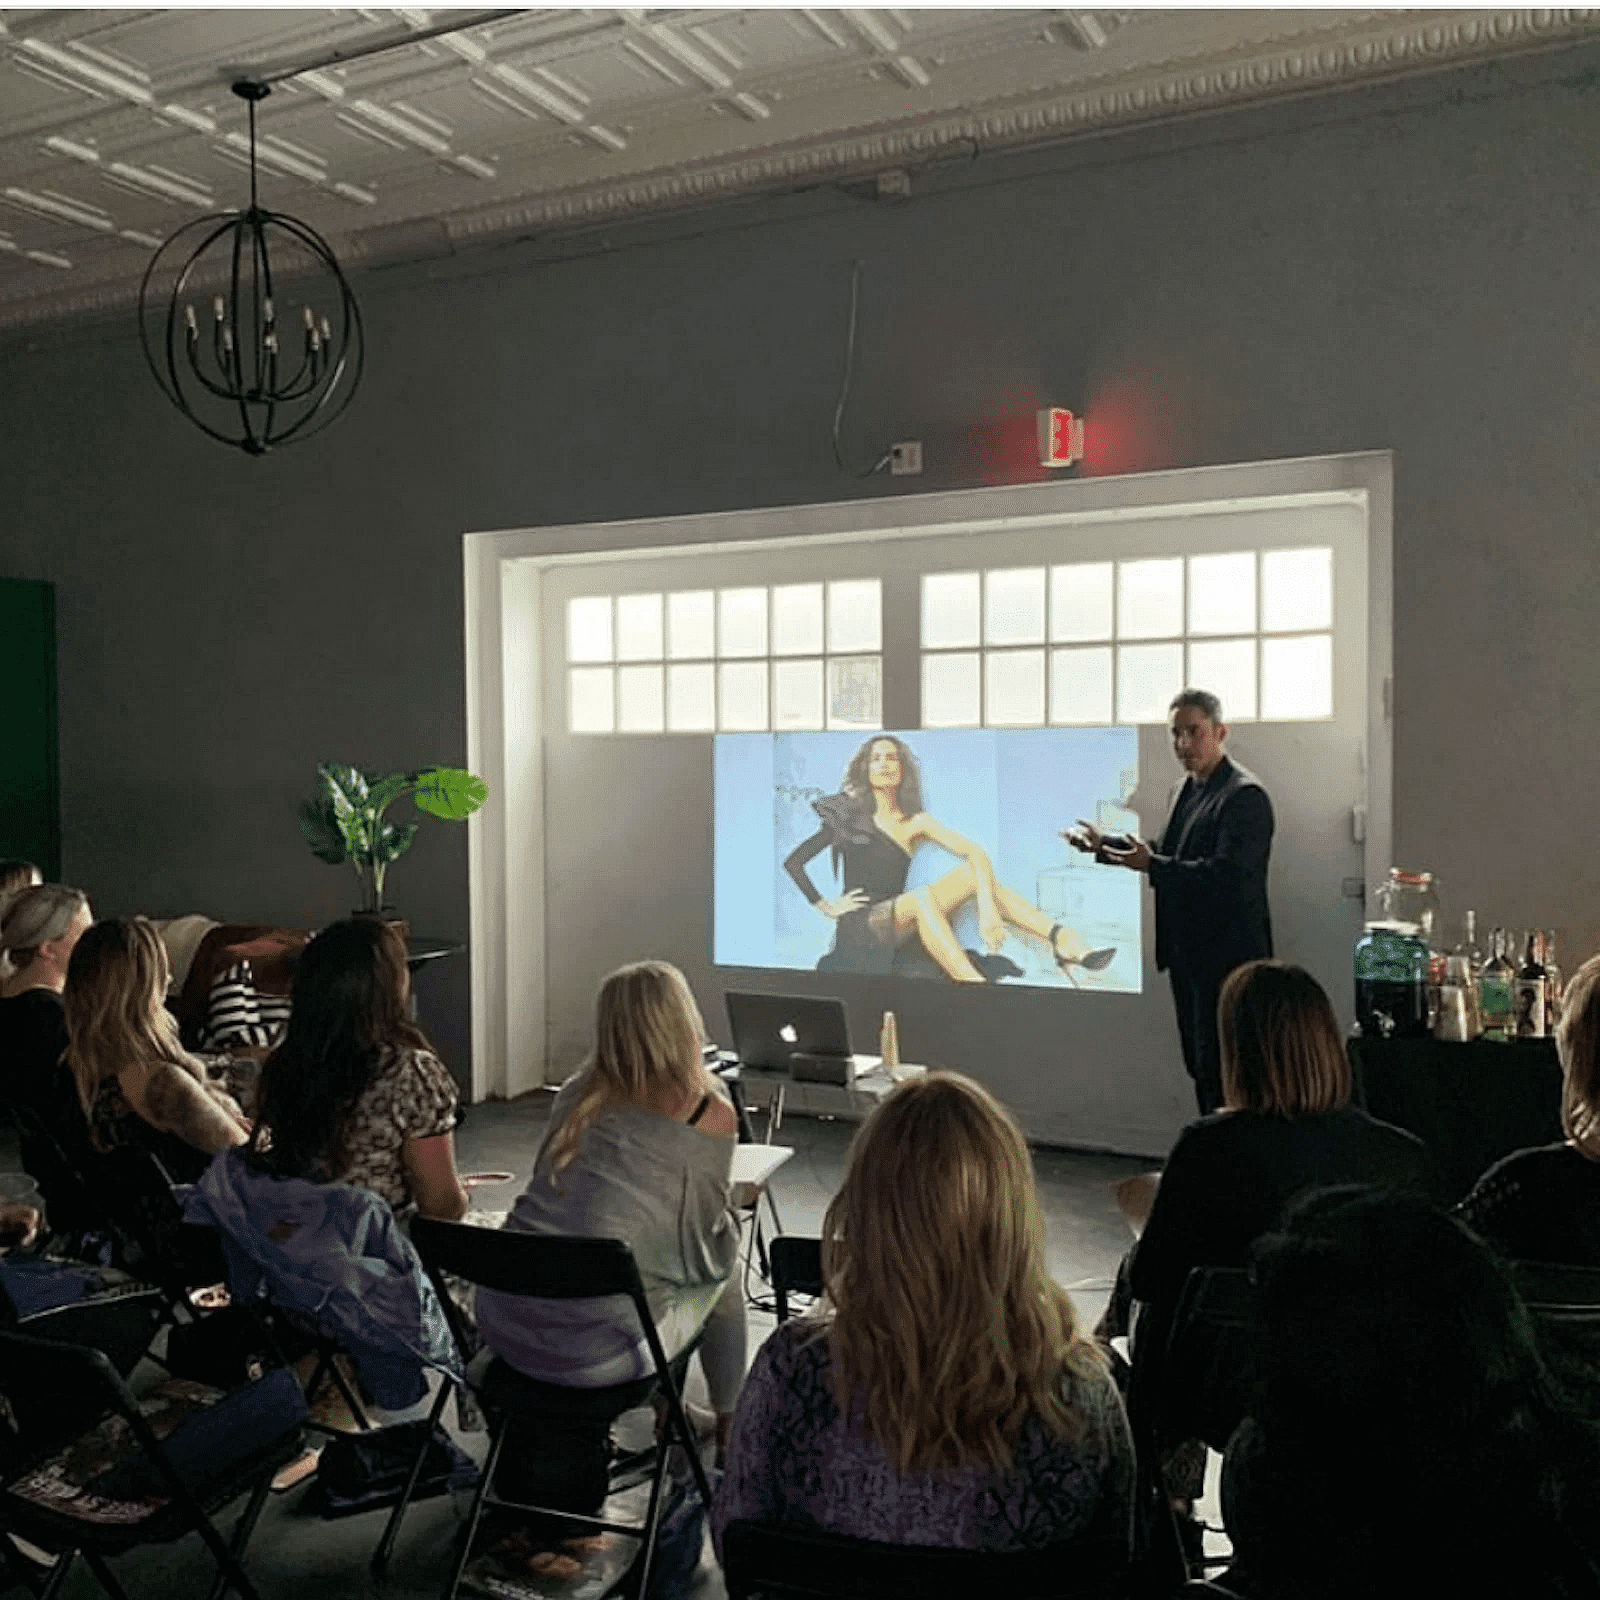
[935, 853]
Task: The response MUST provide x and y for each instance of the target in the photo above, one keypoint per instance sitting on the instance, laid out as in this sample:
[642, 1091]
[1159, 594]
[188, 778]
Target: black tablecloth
[1470, 1104]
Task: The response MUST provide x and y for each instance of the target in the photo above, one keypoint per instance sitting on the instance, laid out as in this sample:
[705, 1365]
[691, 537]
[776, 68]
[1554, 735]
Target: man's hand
[1085, 836]
[1135, 855]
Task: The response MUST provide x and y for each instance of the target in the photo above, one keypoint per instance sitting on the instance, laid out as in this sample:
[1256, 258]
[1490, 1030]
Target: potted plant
[345, 820]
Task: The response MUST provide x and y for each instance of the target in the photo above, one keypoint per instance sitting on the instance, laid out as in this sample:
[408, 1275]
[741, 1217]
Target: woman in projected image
[872, 826]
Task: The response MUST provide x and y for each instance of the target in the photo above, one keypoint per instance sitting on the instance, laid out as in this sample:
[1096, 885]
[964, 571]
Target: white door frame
[503, 581]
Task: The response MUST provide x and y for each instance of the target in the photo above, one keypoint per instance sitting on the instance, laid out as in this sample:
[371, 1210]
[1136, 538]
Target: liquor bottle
[1495, 978]
[1529, 990]
[1469, 941]
[1553, 984]
[889, 1041]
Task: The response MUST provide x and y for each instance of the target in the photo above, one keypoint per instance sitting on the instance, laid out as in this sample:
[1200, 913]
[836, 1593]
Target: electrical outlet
[905, 458]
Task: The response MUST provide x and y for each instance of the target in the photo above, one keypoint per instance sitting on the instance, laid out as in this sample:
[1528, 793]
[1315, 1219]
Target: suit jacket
[1209, 873]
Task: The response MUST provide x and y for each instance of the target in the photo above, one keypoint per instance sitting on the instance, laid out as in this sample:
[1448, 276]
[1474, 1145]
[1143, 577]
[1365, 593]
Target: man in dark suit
[1209, 873]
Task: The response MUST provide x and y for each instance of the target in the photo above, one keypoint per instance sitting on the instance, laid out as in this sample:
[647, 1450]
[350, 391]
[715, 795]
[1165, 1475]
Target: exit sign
[1060, 437]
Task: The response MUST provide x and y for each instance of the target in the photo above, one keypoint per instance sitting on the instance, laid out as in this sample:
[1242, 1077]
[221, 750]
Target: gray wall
[1408, 268]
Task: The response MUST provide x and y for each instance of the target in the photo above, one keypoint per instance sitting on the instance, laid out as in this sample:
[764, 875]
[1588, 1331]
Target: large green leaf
[345, 791]
[449, 792]
[320, 829]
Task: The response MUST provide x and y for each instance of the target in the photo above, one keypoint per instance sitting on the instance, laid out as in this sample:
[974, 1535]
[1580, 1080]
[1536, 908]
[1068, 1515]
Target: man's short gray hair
[1200, 699]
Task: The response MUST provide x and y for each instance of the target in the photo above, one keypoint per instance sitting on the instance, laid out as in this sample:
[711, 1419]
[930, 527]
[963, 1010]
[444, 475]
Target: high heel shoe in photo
[1089, 961]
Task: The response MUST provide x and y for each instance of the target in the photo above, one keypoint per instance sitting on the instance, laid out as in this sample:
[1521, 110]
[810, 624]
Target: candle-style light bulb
[310, 320]
[189, 319]
[219, 308]
[268, 311]
[327, 331]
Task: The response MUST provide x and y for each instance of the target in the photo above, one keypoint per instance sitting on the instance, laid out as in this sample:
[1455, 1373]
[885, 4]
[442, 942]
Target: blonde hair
[648, 1038]
[35, 917]
[116, 1022]
[947, 1331]
[1280, 1043]
[1578, 1044]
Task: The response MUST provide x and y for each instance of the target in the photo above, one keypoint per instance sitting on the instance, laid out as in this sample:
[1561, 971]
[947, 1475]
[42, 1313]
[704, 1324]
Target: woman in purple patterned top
[944, 1395]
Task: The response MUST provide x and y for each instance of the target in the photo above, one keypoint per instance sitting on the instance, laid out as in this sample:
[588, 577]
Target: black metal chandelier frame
[243, 367]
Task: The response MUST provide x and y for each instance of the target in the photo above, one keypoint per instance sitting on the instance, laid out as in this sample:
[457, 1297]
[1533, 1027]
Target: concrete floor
[296, 1556]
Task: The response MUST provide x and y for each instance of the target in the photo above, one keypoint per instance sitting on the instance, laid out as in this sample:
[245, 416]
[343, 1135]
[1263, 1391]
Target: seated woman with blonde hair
[640, 1148]
[136, 1082]
[1543, 1204]
[944, 1396]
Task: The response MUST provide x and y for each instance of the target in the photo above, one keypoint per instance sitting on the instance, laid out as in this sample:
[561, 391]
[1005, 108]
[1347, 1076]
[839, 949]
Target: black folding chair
[796, 1263]
[761, 1560]
[1564, 1302]
[547, 1268]
[55, 1394]
[1193, 1384]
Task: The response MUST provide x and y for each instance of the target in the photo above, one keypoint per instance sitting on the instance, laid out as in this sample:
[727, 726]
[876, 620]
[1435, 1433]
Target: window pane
[1297, 678]
[589, 628]
[742, 696]
[639, 699]
[950, 691]
[1013, 686]
[855, 615]
[1296, 590]
[1148, 675]
[1080, 685]
[797, 619]
[1149, 599]
[1013, 606]
[950, 615]
[691, 629]
[1080, 602]
[691, 698]
[1222, 593]
[639, 627]
[797, 691]
[742, 622]
[590, 708]
[855, 692]
[1227, 667]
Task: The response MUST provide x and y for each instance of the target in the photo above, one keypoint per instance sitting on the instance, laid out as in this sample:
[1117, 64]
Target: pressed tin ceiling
[118, 126]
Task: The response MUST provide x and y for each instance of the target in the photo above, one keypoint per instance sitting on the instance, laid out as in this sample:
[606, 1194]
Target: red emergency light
[1060, 437]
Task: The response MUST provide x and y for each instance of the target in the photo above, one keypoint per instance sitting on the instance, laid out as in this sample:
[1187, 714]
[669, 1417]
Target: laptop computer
[799, 1034]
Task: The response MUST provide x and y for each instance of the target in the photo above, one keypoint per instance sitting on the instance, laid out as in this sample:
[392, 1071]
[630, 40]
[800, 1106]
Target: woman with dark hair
[943, 1394]
[1406, 1439]
[1286, 1126]
[136, 1083]
[871, 827]
[354, 1093]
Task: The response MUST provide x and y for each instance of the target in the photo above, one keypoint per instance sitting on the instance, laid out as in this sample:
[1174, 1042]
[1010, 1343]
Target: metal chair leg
[379, 1564]
[107, 1578]
[470, 1532]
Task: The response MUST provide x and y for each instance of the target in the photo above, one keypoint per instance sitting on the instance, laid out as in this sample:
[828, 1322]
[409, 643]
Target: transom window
[1100, 642]
[739, 660]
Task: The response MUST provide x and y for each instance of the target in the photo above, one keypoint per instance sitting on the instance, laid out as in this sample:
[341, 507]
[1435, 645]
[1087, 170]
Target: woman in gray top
[640, 1146]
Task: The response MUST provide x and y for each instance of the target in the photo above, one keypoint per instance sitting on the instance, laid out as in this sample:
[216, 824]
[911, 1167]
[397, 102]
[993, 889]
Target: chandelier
[237, 367]
[246, 320]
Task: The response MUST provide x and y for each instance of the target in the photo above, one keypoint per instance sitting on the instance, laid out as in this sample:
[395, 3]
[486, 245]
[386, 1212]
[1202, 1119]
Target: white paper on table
[755, 1163]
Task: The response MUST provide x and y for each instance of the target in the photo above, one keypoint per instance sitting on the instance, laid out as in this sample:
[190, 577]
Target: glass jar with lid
[1410, 900]
[1392, 957]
